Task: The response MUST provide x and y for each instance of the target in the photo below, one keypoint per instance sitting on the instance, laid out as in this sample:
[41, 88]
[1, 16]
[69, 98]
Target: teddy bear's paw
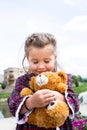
[41, 80]
[51, 105]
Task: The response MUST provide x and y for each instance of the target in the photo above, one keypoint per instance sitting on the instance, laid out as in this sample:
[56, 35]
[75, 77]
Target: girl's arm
[71, 98]
[15, 101]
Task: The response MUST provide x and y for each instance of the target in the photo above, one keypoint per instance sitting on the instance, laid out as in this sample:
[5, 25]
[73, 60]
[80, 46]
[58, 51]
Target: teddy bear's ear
[31, 82]
[63, 76]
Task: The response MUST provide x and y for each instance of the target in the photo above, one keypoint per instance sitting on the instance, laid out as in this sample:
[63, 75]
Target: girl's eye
[35, 62]
[47, 61]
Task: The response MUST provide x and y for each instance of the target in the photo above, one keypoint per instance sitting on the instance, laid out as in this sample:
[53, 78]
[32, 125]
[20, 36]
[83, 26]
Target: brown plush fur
[55, 113]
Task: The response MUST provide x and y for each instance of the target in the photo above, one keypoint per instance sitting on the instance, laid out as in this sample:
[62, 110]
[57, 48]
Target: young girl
[40, 51]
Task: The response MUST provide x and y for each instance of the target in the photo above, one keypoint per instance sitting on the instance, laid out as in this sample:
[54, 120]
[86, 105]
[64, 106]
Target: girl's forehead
[48, 48]
[45, 51]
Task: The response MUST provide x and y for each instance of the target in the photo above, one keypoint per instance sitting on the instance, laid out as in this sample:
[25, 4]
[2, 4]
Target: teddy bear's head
[49, 80]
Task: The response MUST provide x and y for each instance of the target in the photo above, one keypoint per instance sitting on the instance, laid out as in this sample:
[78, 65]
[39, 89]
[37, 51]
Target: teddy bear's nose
[52, 103]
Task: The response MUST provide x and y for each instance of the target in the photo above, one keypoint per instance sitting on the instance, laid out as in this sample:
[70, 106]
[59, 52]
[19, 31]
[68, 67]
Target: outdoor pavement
[7, 123]
[83, 109]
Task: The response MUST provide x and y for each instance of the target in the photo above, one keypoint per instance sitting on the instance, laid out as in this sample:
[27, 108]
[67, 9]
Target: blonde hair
[39, 40]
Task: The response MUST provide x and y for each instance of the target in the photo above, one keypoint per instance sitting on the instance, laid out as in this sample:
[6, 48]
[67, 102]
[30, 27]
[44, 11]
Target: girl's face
[41, 59]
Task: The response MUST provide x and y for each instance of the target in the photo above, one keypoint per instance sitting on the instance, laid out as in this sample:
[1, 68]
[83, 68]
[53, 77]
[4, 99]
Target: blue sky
[66, 19]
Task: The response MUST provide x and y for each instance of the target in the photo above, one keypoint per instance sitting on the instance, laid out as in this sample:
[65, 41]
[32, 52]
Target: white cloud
[78, 23]
[78, 3]
[73, 47]
[69, 2]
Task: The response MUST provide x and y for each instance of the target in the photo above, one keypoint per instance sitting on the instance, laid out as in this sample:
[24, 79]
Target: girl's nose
[41, 66]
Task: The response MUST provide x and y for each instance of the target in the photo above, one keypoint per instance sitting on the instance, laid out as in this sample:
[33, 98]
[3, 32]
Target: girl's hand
[59, 96]
[41, 98]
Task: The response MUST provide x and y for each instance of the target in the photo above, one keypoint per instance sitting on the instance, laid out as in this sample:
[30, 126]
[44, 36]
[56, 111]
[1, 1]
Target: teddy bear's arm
[26, 92]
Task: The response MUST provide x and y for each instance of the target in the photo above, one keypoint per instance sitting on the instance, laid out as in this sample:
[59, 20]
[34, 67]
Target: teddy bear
[54, 114]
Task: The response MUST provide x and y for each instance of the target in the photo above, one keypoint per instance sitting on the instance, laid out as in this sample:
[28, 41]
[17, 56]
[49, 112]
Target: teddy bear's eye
[52, 103]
